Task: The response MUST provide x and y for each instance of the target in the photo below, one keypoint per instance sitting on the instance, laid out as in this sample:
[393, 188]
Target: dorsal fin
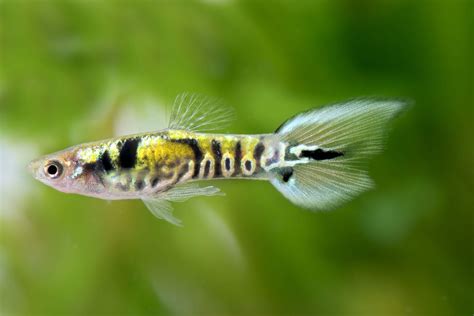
[194, 112]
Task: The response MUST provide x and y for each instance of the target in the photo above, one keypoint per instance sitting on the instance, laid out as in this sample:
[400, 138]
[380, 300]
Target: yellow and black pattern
[161, 160]
[315, 159]
[222, 156]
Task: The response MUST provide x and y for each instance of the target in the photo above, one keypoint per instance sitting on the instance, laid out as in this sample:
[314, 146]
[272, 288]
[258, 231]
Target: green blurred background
[74, 71]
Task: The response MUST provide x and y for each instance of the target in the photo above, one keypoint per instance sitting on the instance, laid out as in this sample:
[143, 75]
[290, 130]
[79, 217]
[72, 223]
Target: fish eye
[53, 169]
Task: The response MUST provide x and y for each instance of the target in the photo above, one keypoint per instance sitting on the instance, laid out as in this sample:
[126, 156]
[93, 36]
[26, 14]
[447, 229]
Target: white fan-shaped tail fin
[330, 148]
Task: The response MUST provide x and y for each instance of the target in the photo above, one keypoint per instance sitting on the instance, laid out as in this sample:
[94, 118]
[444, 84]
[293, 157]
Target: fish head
[65, 171]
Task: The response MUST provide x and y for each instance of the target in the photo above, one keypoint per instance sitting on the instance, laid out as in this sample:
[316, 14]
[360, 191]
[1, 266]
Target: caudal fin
[328, 150]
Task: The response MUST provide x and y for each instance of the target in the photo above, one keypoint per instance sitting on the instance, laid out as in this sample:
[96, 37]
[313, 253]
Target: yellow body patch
[153, 151]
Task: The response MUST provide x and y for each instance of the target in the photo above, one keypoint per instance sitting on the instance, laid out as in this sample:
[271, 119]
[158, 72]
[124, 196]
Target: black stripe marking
[248, 165]
[105, 161]
[257, 153]
[227, 164]
[193, 143]
[128, 153]
[237, 158]
[286, 173]
[320, 154]
[216, 150]
[154, 182]
[207, 168]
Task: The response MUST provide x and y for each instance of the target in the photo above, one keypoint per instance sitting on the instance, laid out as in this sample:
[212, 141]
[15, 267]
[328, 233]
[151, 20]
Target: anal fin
[161, 207]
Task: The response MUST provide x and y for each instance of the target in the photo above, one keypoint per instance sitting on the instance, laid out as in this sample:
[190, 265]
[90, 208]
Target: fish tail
[327, 151]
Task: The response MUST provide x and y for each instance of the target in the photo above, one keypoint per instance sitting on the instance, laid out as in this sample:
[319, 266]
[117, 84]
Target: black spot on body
[128, 153]
[320, 154]
[154, 182]
[216, 150]
[106, 162]
[237, 158]
[286, 174]
[207, 168]
[227, 164]
[248, 165]
[139, 184]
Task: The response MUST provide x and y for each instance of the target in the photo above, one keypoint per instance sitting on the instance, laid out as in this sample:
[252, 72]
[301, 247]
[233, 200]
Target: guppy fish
[316, 159]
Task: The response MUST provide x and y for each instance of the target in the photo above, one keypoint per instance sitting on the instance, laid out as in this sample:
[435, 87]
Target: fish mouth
[33, 167]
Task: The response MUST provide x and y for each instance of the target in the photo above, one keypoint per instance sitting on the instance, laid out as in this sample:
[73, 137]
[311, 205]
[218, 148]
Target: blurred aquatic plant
[69, 71]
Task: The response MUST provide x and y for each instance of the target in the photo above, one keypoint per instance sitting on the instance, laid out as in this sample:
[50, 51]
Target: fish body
[146, 164]
[316, 159]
